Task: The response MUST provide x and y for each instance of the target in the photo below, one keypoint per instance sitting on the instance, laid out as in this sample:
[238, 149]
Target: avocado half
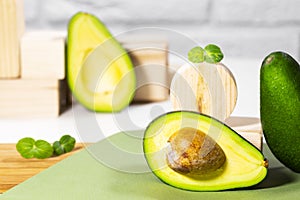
[223, 161]
[100, 73]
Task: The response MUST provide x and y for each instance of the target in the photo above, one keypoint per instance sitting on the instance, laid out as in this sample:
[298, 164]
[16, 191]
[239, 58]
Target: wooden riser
[151, 61]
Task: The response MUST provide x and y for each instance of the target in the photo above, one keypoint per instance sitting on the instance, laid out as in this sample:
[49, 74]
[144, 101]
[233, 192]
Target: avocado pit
[193, 152]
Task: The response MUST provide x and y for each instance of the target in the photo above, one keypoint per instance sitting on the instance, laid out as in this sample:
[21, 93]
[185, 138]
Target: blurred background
[250, 29]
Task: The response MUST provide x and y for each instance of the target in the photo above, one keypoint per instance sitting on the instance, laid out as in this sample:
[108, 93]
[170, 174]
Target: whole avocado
[280, 107]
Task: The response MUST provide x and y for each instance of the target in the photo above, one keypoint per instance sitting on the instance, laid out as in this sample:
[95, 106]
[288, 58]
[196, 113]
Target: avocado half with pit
[192, 151]
[100, 73]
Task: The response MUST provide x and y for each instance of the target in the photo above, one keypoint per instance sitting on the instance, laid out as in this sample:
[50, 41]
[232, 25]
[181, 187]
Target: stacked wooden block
[32, 67]
[11, 30]
[150, 58]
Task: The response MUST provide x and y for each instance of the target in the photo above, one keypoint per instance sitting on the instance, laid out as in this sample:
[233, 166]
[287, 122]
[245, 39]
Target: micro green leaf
[29, 148]
[213, 54]
[43, 149]
[58, 148]
[196, 55]
[64, 145]
[25, 146]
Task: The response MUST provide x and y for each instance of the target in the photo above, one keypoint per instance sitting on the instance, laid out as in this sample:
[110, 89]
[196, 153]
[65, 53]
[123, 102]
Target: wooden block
[249, 128]
[43, 55]
[150, 60]
[14, 169]
[205, 88]
[33, 98]
[12, 25]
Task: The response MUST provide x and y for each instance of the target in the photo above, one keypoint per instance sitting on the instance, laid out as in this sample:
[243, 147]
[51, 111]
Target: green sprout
[29, 148]
[210, 54]
[64, 145]
[41, 149]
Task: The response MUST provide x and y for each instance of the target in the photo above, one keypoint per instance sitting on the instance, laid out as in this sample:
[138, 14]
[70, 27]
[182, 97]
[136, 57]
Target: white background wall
[246, 31]
[249, 29]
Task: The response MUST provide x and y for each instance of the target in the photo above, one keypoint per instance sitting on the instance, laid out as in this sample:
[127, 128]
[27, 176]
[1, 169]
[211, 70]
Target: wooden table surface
[15, 169]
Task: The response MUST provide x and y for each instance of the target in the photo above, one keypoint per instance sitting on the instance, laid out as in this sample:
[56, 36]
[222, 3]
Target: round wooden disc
[206, 88]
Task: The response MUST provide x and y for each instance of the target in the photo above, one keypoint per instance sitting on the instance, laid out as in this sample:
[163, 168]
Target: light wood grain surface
[15, 169]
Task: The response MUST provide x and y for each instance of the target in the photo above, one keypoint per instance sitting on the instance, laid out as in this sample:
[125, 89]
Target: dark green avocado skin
[280, 107]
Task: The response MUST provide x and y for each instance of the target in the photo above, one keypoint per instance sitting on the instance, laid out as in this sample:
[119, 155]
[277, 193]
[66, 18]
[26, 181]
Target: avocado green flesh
[244, 166]
[280, 107]
[100, 73]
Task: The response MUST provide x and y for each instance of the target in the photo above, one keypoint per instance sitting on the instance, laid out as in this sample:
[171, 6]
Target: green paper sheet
[115, 168]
